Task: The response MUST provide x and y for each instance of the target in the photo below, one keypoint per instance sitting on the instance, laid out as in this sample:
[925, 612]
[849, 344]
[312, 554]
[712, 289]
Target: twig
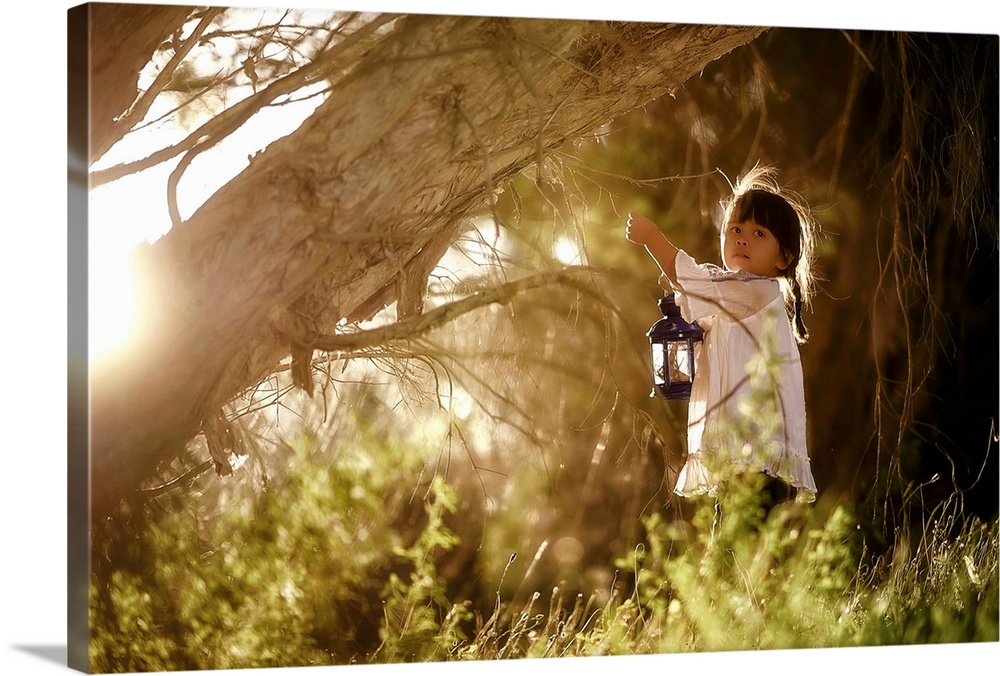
[186, 478]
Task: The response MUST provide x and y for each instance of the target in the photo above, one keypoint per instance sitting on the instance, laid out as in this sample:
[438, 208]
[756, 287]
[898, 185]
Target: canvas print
[433, 338]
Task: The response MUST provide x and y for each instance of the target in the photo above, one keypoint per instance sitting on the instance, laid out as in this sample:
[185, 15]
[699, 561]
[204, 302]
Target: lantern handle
[668, 305]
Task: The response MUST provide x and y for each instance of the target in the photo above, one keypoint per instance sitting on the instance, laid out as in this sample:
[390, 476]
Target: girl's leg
[775, 491]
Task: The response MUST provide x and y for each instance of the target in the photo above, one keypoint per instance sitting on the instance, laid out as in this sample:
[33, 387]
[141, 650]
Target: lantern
[672, 341]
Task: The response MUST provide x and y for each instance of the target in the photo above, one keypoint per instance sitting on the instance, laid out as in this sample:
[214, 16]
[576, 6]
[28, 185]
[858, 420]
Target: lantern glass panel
[679, 361]
[658, 363]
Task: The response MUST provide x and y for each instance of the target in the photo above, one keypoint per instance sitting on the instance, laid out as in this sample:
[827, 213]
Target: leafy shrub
[317, 570]
[337, 563]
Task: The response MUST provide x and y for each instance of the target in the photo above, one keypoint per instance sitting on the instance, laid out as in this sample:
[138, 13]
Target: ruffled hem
[695, 478]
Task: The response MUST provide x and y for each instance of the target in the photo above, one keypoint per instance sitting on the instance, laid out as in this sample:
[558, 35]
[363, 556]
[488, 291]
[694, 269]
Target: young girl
[747, 407]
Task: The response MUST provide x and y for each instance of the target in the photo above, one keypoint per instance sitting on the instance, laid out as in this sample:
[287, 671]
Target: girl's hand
[641, 230]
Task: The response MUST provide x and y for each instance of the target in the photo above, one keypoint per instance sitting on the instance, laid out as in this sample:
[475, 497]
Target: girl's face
[752, 248]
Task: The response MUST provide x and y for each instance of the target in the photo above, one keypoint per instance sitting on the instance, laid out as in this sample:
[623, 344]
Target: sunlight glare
[133, 210]
[458, 402]
[115, 211]
[567, 251]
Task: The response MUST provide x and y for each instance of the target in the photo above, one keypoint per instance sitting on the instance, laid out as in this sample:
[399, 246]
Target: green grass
[334, 564]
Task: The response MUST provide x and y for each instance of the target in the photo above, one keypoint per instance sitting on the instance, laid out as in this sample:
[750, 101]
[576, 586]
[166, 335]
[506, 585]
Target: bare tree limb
[415, 327]
[137, 111]
[224, 124]
[121, 39]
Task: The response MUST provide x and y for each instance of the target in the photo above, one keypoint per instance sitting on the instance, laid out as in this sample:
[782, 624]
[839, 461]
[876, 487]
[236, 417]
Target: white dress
[747, 407]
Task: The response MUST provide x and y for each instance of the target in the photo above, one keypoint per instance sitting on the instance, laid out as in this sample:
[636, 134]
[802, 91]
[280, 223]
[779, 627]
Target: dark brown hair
[758, 197]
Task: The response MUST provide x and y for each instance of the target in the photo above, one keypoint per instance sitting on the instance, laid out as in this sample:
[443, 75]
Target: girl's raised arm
[641, 230]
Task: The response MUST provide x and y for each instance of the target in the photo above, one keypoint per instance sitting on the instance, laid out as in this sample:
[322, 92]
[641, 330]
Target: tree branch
[225, 123]
[139, 108]
[426, 322]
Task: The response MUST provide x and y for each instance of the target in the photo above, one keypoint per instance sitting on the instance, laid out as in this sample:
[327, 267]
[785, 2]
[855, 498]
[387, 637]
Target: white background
[33, 330]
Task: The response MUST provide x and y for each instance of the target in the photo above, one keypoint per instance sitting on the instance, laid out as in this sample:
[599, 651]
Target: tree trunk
[338, 219]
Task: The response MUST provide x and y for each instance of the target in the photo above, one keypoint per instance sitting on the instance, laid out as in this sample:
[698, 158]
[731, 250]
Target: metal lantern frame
[672, 343]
